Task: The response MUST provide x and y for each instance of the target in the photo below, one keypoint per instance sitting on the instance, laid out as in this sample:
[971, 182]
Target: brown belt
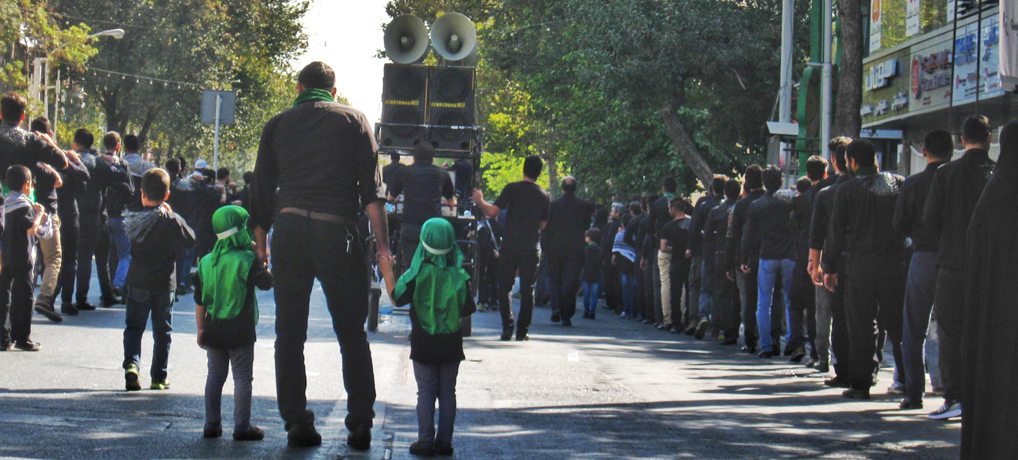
[319, 216]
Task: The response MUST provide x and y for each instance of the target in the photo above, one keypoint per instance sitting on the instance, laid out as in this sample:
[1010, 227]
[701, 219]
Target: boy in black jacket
[154, 231]
[24, 222]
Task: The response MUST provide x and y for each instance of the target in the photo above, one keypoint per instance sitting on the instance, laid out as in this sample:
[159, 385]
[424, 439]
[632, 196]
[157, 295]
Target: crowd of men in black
[85, 198]
[847, 260]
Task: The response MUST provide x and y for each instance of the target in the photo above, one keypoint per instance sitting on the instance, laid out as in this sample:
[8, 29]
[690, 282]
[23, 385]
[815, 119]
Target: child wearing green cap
[226, 310]
[436, 288]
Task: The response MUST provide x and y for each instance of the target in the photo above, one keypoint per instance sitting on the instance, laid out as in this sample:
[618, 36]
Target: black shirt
[239, 331]
[908, 212]
[953, 195]
[823, 203]
[153, 259]
[463, 172]
[592, 259]
[802, 217]
[527, 205]
[20, 147]
[659, 214]
[862, 222]
[703, 209]
[16, 246]
[45, 187]
[75, 178]
[101, 175]
[389, 171]
[769, 227]
[632, 232]
[568, 220]
[423, 186]
[715, 230]
[319, 157]
[676, 234]
[734, 253]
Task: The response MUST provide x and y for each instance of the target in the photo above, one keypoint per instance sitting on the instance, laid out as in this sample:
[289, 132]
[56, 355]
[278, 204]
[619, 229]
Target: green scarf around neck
[224, 271]
[314, 94]
[441, 283]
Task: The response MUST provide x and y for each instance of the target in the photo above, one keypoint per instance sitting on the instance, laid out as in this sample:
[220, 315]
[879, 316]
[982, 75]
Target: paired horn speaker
[454, 36]
[406, 40]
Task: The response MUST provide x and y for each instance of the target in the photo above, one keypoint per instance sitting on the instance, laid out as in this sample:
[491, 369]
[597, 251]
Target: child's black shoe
[422, 449]
[252, 434]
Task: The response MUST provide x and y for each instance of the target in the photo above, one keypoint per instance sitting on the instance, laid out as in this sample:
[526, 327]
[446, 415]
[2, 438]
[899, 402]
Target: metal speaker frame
[407, 40]
[453, 36]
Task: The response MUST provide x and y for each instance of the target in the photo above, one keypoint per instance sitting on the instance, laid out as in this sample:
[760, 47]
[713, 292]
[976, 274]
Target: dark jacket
[239, 331]
[153, 251]
[568, 220]
[101, 176]
[734, 252]
[592, 259]
[769, 227]
[953, 195]
[75, 178]
[908, 212]
[703, 209]
[862, 223]
[823, 203]
[715, 231]
[802, 216]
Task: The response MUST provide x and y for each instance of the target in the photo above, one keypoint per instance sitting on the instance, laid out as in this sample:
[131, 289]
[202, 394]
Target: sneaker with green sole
[131, 378]
[160, 385]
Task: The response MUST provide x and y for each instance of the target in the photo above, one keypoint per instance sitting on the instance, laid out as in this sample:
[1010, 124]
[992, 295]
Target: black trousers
[679, 274]
[874, 297]
[802, 296]
[612, 288]
[304, 250]
[523, 258]
[93, 240]
[949, 304]
[16, 291]
[647, 290]
[564, 280]
[487, 290]
[69, 231]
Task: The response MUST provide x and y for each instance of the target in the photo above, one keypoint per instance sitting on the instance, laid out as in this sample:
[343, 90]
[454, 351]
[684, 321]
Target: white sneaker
[947, 411]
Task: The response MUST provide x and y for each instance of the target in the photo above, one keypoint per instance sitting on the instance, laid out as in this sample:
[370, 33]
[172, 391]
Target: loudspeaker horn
[470, 61]
[453, 36]
[406, 39]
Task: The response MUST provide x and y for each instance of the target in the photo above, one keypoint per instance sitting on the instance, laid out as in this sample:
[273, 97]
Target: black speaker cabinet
[451, 109]
[404, 106]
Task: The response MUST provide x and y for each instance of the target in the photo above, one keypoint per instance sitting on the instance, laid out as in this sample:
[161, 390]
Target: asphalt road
[605, 388]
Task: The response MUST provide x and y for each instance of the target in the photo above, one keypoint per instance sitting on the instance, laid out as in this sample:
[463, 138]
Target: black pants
[487, 290]
[949, 304]
[726, 293]
[750, 294]
[647, 290]
[16, 302]
[679, 274]
[409, 239]
[69, 231]
[93, 240]
[523, 258]
[802, 296]
[303, 250]
[874, 294]
[564, 280]
[612, 287]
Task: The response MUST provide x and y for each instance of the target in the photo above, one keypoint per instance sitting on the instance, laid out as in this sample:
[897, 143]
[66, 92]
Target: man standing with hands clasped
[323, 159]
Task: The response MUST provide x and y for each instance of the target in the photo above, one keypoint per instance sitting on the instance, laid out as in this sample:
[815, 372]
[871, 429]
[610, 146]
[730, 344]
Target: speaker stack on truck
[433, 104]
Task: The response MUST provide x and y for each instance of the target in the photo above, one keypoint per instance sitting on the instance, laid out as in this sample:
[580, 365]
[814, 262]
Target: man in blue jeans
[769, 228]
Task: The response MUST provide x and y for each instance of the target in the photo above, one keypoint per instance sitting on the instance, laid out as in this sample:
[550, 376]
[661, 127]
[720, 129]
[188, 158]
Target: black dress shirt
[769, 227]
[862, 221]
[953, 196]
[908, 213]
[527, 206]
[423, 186]
[319, 157]
[734, 252]
[822, 204]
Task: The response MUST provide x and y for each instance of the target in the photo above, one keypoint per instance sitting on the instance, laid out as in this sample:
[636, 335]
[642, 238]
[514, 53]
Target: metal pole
[785, 108]
[45, 88]
[56, 109]
[215, 151]
[825, 82]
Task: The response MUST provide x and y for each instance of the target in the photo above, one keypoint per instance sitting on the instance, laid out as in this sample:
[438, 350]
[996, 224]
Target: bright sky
[346, 34]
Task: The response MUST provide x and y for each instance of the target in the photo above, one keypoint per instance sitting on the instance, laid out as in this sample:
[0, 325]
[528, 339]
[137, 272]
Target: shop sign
[912, 12]
[977, 62]
[880, 75]
[1009, 44]
[876, 24]
[931, 71]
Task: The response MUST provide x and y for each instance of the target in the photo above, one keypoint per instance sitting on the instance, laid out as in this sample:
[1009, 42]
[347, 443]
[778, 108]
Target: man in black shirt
[953, 196]
[699, 321]
[768, 229]
[527, 204]
[317, 168]
[75, 181]
[612, 284]
[631, 235]
[802, 293]
[832, 330]
[938, 147]
[661, 216]
[724, 305]
[674, 240]
[562, 242]
[389, 170]
[423, 186]
[735, 254]
[862, 231]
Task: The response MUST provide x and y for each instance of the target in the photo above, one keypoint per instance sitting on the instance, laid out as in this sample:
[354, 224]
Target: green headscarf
[224, 270]
[441, 285]
[314, 94]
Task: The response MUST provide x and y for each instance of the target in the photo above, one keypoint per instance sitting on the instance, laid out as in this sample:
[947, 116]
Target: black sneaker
[522, 337]
[854, 393]
[359, 439]
[84, 306]
[837, 382]
[253, 433]
[950, 409]
[701, 329]
[822, 367]
[117, 292]
[567, 323]
[303, 436]
[691, 329]
[28, 345]
[5, 346]
[212, 430]
[110, 303]
[507, 334]
[812, 364]
[555, 317]
[908, 404]
[767, 354]
[421, 449]
[749, 349]
[730, 340]
[67, 309]
[131, 378]
[443, 450]
[49, 313]
[798, 355]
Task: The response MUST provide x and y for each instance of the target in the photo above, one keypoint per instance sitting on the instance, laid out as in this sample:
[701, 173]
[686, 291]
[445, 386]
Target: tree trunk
[684, 144]
[552, 166]
[150, 117]
[847, 120]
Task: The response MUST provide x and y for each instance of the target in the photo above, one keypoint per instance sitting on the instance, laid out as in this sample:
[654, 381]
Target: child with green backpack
[436, 288]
